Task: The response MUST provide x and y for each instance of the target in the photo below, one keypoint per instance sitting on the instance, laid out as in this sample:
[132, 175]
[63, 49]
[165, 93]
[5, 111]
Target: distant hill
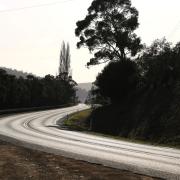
[86, 86]
[16, 72]
[83, 90]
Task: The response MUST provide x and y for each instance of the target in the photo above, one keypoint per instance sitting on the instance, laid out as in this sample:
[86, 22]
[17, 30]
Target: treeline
[16, 73]
[34, 92]
[141, 98]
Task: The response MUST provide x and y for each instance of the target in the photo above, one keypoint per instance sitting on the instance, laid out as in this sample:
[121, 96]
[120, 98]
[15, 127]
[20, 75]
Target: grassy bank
[79, 122]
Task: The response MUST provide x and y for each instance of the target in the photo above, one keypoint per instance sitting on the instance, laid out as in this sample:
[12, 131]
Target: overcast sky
[30, 39]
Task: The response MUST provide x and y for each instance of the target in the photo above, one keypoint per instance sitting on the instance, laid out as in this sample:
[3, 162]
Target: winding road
[38, 130]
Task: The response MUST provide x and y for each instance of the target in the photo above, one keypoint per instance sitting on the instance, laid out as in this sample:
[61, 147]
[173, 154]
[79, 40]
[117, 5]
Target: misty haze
[89, 90]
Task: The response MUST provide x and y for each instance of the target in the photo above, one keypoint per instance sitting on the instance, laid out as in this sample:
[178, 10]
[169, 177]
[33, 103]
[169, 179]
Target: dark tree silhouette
[108, 30]
[65, 59]
[158, 63]
[117, 81]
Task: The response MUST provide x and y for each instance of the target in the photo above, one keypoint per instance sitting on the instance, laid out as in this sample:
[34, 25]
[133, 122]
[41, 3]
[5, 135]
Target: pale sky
[30, 39]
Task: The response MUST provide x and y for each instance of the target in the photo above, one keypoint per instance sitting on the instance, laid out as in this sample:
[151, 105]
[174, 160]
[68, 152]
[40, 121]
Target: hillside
[16, 72]
[154, 117]
[145, 103]
[85, 86]
[83, 90]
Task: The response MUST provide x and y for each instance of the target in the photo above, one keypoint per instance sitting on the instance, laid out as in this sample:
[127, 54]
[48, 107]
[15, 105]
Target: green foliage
[107, 30]
[78, 120]
[160, 64]
[117, 81]
[149, 109]
[34, 92]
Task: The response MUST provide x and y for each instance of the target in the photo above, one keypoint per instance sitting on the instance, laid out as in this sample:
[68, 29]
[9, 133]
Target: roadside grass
[78, 122]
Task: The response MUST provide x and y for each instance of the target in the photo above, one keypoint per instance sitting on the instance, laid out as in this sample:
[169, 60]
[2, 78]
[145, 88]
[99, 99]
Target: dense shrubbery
[117, 81]
[148, 106]
[34, 92]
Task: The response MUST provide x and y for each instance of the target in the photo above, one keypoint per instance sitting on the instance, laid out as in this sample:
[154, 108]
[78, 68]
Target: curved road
[38, 130]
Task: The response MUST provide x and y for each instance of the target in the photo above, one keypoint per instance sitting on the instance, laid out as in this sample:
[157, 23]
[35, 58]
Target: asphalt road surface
[38, 130]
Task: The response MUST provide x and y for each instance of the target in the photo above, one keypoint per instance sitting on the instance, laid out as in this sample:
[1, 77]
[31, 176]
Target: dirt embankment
[18, 163]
